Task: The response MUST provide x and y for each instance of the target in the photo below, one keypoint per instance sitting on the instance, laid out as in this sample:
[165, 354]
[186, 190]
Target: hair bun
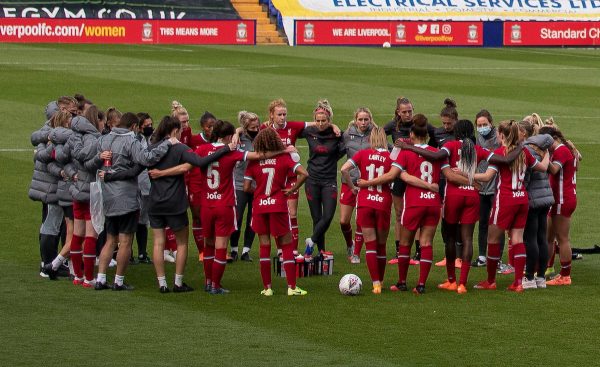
[175, 105]
[449, 102]
[420, 120]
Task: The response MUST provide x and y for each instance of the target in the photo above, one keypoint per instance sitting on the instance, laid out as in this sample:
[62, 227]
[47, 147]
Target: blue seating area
[274, 12]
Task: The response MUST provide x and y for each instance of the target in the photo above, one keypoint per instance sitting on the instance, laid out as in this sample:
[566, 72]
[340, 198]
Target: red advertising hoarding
[551, 33]
[208, 32]
[376, 33]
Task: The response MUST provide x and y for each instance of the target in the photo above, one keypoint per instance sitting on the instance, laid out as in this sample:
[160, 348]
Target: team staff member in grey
[248, 130]
[356, 138]
[168, 200]
[325, 149]
[487, 137]
[121, 206]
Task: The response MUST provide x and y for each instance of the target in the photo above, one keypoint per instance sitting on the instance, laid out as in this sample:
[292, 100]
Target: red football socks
[358, 240]
[425, 263]
[294, 222]
[493, 257]
[372, 262]
[209, 258]
[565, 268]
[218, 267]
[89, 258]
[289, 264]
[403, 263]
[198, 237]
[77, 255]
[519, 261]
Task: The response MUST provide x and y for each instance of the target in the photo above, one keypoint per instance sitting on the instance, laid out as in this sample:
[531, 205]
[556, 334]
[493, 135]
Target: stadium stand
[260, 10]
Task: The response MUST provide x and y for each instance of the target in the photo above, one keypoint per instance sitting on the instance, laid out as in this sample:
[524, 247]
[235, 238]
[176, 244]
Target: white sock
[245, 250]
[178, 280]
[119, 279]
[234, 249]
[101, 278]
[57, 262]
[175, 254]
[162, 281]
[481, 258]
[71, 269]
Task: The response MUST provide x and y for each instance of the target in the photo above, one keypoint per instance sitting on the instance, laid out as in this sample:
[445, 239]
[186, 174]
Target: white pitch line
[104, 66]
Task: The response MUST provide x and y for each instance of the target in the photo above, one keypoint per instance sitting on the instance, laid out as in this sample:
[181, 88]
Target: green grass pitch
[54, 323]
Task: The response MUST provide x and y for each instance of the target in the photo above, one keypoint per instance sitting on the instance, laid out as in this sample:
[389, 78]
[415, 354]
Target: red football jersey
[453, 149]
[565, 181]
[290, 132]
[510, 188]
[194, 176]
[416, 165]
[270, 176]
[217, 179]
[373, 163]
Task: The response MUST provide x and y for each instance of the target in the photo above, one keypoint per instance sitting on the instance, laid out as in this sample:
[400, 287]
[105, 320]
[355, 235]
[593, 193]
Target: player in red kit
[509, 212]
[193, 180]
[289, 132]
[421, 210]
[270, 216]
[563, 180]
[373, 203]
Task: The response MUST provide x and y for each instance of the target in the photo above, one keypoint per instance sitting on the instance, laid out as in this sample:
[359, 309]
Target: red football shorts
[372, 218]
[461, 209]
[347, 197]
[565, 209]
[415, 217]
[81, 210]
[218, 221]
[275, 224]
[509, 216]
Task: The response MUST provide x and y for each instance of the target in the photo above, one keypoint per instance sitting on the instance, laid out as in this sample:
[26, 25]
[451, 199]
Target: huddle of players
[534, 167]
[120, 158]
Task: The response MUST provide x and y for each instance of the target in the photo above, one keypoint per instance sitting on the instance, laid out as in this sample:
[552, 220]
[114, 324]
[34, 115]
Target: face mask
[252, 134]
[147, 131]
[484, 131]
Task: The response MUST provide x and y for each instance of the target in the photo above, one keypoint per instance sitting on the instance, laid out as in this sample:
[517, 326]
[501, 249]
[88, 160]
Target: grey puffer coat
[43, 184]
[537, 183]
[62, 163]
[83, 148]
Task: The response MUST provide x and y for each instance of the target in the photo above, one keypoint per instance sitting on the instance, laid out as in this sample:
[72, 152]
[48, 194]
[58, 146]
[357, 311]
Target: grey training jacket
[120, 197]
[490, 143]
[537, 183]
[355, 141]
[240, 167]
[83, 150]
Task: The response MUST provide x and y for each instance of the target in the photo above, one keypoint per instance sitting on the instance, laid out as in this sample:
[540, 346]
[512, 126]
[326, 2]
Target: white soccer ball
[386, 45]
[350, 285]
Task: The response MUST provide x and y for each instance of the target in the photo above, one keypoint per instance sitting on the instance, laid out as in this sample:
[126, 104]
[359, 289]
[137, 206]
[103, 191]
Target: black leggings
[243, 199]
[322, 201]
[485, 207]
[536, 242]
[141, 236]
